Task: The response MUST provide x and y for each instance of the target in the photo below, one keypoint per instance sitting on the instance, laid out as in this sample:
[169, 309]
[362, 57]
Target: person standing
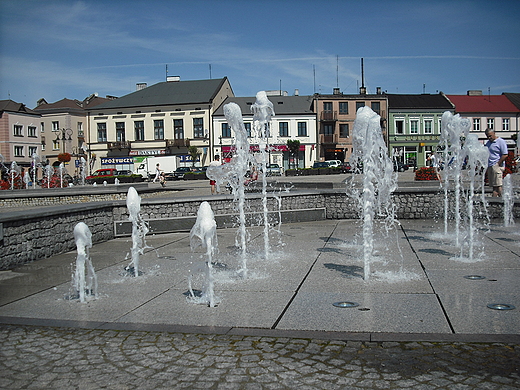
[497, 156]
[157, 173]
[213, 183]
[434, 163]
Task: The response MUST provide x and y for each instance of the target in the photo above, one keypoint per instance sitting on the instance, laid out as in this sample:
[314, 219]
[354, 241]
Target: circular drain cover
[501, 306]
[474, 277]
[345, 304]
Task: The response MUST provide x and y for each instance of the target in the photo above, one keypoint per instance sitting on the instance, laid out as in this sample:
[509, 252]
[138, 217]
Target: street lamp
[66, 135]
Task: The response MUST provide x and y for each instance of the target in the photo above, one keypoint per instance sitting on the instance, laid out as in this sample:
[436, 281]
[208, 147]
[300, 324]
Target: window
[31, 131]
[376, 107]
[344, 130]
[247, 126]
[33, 150]
[283, 129]
[18, 131]
[414, 126]
[198, 127]
[491, 123]
[18, 151]
[226, 130]
[55, 126]
[139, 130]
[399, 126]
[120, 132]
[158, 129]
[476, 124]
[359, 105]
[343, 107]
[101, 132]
[80, 128]
[178, 128]
[428, 128]
[328, 129]
[42, 127]
[505, 124]
[55, 145]
[302, 129]
[327, 106]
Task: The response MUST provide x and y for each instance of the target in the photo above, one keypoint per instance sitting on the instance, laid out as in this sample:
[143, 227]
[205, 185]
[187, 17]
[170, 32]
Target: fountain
[14, 172]
[83, 284]
[234, 173]
[139, 231]
[204, 233]
[49, 172]
[507, 196]
[379, 179]
[35, 165]
[82, 170]
[262, 111]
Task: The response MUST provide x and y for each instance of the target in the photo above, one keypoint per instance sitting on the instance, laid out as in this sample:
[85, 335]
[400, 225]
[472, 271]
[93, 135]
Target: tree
[193, 151]
[294, 148]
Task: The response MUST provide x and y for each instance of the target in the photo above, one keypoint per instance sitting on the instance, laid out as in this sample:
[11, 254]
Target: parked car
[180, 172]
[346, 167]
[320, 164]
[273, 170]
[400, 166]
[333, 163]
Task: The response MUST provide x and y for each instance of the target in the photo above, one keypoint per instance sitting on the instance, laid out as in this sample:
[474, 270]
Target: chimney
[362, 89]
[296, 92]
[378, 90]
[474, 92]
[140, 86]
[336, 91]
[173, 78]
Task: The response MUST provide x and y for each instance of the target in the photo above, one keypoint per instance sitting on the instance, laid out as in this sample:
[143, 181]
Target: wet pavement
[421, 319]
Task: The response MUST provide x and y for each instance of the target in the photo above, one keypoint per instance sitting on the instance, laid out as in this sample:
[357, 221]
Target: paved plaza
[420, 320]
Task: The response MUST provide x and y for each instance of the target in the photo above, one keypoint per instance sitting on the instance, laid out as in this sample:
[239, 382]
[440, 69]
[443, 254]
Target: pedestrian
[213, 183]
[157, 173]
[434, 163]
[496, 162]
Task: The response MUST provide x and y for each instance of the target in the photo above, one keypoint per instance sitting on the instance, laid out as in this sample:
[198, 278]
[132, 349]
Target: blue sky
[57, 49]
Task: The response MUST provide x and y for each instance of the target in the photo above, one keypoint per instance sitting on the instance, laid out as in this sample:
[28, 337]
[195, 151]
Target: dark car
[180, 172]
[320, 164]
[400, 166]
[346, 167]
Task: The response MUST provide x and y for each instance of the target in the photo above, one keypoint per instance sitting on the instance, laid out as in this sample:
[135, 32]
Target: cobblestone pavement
[66, 358]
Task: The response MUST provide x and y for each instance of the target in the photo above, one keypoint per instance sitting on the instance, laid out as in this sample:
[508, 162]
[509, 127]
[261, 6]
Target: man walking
[497, 156]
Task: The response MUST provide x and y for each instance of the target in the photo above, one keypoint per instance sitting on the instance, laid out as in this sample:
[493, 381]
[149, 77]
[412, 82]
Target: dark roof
[12, 106]
[70, 105]
[282, 105]
[168, 93]
[482, 103]
[514, 98]
[424, 101]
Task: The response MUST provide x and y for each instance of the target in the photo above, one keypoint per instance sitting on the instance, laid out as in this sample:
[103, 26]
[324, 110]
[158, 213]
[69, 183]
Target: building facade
[294, 119]
[336, 114]
[495, 112]
[414, 126]
[164, 119]
[19, 133]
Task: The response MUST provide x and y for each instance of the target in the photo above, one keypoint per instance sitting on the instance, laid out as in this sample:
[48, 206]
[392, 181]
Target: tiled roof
[424, 101]
[168, 93]
[63, 103]
[282, 105]
[513, 98]
[12, 106]
[482, 103]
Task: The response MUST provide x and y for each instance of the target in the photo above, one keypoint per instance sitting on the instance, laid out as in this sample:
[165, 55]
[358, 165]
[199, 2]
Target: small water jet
[14, 172]
[84, 281]
[204, 233]
[139, 231]
[508, 199]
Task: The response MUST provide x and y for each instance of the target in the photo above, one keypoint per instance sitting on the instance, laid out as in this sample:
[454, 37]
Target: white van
[333, 163]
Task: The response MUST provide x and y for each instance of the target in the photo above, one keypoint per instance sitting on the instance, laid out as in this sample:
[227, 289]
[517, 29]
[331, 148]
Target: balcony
[329, 138]
[119, 145]
[179, 143]
[328, 116]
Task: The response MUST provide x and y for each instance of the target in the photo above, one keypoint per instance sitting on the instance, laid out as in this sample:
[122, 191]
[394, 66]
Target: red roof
[482, 103]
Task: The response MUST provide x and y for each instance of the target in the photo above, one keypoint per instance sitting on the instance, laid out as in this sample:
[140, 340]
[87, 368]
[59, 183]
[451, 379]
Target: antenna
[210, 71]
[166, 72]
[362, 90]
[314, 77]
[337, 71]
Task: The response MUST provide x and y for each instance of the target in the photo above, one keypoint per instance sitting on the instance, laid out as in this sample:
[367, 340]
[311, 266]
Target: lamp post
[66, 135]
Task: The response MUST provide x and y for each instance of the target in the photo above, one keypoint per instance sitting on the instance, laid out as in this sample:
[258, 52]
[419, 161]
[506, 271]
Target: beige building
[160, 120]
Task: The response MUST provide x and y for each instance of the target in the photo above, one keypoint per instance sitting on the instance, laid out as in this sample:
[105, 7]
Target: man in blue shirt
[497, 156]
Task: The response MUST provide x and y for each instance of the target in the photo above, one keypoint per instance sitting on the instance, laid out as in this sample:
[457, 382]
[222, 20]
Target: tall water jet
[204, 233]
[49, 172]
[84, 280]
[61, 171]
[453, 130]
[234, 173]
[507, 197]
[14, 171]
[379, 178]
[263, 111]
[82, 170]
[139, 230]
[476, 156]
[35, 165]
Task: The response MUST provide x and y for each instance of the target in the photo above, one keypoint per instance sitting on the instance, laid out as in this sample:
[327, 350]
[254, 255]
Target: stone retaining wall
[40, 233]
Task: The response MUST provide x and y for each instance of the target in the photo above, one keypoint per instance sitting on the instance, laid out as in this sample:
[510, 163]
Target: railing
[329, 138]
[183, 142]
[119, 145]
[328, 116]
